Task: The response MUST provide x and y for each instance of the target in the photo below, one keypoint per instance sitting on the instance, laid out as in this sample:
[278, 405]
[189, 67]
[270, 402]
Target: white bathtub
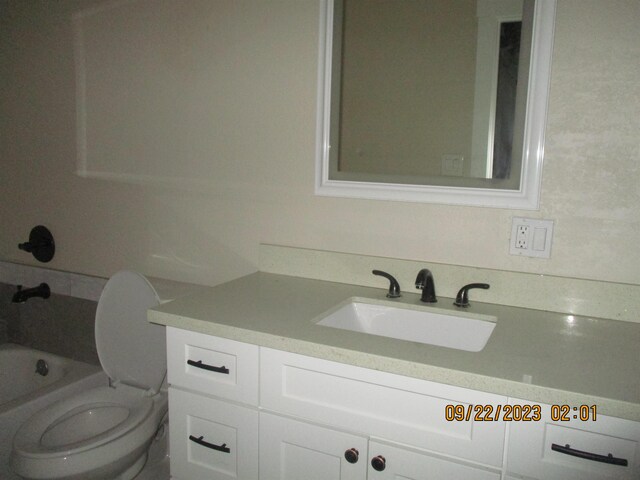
[23, 391]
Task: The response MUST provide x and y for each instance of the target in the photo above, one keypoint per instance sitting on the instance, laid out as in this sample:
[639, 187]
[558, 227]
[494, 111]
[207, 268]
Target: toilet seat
[45, 434]
[131, 349]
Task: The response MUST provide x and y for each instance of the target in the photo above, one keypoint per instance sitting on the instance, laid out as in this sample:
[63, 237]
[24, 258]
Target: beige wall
[261, 186]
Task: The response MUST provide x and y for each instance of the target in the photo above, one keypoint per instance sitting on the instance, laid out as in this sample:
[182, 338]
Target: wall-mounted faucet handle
[462, 298]
[394, 286]
[425, 282]
[41, 244]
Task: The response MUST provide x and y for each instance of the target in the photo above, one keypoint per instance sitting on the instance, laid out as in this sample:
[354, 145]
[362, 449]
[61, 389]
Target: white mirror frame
[526, 198]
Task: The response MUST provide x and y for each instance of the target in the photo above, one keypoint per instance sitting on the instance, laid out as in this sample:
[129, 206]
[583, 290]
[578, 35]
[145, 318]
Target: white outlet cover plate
[539, 241]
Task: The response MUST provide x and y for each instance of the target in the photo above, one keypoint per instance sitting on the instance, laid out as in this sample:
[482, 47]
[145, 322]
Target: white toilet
[105, 432]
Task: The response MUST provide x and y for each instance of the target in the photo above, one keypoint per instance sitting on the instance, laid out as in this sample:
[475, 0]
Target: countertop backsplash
[590, 298]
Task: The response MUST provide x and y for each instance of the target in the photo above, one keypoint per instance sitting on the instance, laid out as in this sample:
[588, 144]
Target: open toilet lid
[131, 350]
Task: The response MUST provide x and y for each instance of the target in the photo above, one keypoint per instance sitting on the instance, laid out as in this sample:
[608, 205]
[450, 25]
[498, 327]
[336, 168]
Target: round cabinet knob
[378, 463]
[351, 455]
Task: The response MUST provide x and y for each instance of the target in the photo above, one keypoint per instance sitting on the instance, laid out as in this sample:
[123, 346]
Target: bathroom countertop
[533, 355]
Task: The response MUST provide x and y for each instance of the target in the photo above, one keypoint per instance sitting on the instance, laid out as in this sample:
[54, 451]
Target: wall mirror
[439, 101]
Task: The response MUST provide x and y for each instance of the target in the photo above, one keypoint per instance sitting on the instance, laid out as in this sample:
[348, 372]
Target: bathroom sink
[432, 326]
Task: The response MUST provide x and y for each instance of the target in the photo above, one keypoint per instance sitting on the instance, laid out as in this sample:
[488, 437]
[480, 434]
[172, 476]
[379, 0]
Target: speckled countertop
[532, 355]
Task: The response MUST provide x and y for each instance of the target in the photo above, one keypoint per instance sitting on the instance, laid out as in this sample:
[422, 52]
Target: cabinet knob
[378, 463]
[351, 455]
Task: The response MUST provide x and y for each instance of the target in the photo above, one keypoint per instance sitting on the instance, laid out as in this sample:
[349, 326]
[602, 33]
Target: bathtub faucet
[21, 296]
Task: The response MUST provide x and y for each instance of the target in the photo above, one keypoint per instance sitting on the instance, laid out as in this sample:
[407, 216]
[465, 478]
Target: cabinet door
[210, 439]
[293, 450]
[388, 462]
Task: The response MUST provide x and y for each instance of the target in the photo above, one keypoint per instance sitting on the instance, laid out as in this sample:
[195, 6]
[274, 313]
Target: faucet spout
[21, 296]
[425, 282]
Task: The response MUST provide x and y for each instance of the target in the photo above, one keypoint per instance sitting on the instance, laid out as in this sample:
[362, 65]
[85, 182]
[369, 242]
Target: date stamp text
[517, 413]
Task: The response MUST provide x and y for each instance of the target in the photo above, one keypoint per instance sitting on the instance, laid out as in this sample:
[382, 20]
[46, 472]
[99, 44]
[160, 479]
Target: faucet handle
[41, 244]
[394, 286]
[462, 298]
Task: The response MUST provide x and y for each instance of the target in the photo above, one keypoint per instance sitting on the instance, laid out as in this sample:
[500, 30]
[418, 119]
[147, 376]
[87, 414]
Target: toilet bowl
[105, 432]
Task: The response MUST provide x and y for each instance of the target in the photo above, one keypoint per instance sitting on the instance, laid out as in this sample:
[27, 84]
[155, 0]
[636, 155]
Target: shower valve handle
[41, 244]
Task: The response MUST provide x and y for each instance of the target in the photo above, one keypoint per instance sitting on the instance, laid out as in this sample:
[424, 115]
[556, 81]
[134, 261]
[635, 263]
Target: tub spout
[21, 296]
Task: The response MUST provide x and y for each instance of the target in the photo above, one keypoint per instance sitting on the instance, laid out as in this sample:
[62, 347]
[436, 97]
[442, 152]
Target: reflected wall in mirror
[438, 101]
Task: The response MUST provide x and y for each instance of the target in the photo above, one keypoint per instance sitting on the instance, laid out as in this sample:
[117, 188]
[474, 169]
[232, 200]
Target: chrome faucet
[22, 296]
[424, 282]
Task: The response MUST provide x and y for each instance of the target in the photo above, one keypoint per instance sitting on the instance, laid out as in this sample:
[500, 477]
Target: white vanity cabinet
[240, 411]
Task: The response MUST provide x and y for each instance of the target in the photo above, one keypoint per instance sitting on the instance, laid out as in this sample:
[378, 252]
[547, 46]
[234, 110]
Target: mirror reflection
[430, 92]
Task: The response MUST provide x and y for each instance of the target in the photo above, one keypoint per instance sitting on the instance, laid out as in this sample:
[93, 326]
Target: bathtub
[23, 391]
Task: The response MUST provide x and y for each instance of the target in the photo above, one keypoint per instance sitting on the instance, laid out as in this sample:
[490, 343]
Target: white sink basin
[428, 325]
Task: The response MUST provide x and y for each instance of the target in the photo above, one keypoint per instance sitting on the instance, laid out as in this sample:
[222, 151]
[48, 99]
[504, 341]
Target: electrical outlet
[531, 237]
[452, 165]
[522, 237]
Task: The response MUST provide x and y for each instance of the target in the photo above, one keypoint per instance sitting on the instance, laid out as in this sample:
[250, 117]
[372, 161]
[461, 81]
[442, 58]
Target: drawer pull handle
[211, 368]
[220, 448]
[610, 459]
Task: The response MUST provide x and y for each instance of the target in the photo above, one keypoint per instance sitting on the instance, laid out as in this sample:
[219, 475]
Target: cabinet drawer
[574, 449]
[397, 408]
[210, 439]
[212, 365]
